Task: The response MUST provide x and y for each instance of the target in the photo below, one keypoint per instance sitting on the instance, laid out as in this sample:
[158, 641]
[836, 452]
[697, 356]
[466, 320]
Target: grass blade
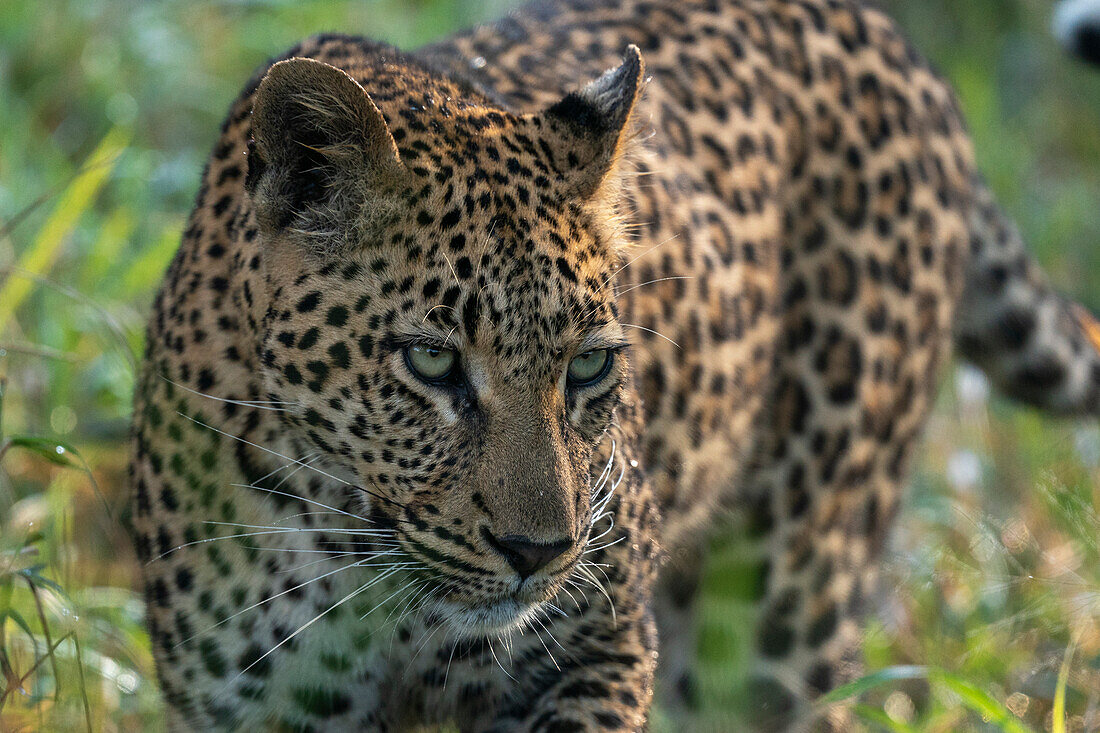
[50, 648]
[76, 199]
[979, 701]
[59, 454]
[856, 688]
[83, 684]
[108, 249]
[1059, 712]
[52, 451]
[21, 623]
[971, 696]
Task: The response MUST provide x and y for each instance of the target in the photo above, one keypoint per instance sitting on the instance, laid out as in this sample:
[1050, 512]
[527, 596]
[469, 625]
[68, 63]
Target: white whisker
[386, 599]
[606, 470]
[265, 450]
[604, 546]
[650, 330]
[587, 574]
[571, 597]
[420, 648]
[412, 606]
[314, 620]
[226, 537]
[601, 535]
[539, 637]
[365, 560]
[494, 653]
[269, 598]
[447, 674]
[652, 282]
[411, 593]
[332, 530]
[643, 254]
[257, 404]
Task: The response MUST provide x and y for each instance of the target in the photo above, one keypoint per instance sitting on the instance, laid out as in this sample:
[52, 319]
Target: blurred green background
[109, 110]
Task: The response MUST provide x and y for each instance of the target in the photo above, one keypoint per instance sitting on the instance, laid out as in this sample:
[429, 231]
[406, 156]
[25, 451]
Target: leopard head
[440, 310]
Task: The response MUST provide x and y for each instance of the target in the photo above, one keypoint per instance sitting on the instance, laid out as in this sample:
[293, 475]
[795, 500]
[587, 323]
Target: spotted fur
[786, 223]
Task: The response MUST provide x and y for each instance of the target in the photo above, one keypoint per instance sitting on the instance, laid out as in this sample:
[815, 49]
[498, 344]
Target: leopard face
[442, 325]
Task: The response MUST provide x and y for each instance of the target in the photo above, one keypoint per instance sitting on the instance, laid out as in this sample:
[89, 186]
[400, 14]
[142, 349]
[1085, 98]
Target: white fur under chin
[1070, 16]
[501, 618]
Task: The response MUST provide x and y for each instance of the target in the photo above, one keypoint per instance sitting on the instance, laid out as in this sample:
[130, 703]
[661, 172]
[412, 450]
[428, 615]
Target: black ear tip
[604, 104]
[632, 58]
[633, 66]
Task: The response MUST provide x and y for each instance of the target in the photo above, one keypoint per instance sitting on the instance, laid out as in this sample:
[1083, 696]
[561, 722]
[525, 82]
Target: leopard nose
[524, 555]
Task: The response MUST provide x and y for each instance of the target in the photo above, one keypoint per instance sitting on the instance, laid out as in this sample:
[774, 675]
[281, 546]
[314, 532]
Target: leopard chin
[499, 618]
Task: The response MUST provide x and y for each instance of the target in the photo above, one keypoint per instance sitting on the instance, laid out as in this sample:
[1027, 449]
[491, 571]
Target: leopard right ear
[597, 120]
[320, 150]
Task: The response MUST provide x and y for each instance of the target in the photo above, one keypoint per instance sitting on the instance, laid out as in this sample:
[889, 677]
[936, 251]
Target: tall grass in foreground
[73, 651]
[71, 656]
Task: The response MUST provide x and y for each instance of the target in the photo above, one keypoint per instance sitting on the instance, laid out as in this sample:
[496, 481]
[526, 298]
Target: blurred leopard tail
[1077, 27]
[1036, 345]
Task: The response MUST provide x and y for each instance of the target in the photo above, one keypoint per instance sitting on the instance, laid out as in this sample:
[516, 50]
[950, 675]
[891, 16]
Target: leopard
[468, 352]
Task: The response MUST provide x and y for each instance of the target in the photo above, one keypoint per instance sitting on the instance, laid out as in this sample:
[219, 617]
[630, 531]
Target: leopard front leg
[674, 606]
[814, 579]
[821, 502]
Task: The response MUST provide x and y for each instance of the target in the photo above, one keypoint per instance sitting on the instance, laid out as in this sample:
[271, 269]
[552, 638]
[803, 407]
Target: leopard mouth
[500, 614]
[509, 605]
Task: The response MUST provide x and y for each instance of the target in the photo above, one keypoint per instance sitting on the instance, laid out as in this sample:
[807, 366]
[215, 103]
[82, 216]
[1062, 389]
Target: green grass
[991, 618]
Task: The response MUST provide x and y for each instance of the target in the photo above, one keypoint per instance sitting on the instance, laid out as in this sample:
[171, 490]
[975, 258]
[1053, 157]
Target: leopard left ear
[597, 120]
[322, 156]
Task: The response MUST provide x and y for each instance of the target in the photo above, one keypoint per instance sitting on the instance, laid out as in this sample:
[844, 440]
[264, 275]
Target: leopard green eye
[430, 363]
[589, 367]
